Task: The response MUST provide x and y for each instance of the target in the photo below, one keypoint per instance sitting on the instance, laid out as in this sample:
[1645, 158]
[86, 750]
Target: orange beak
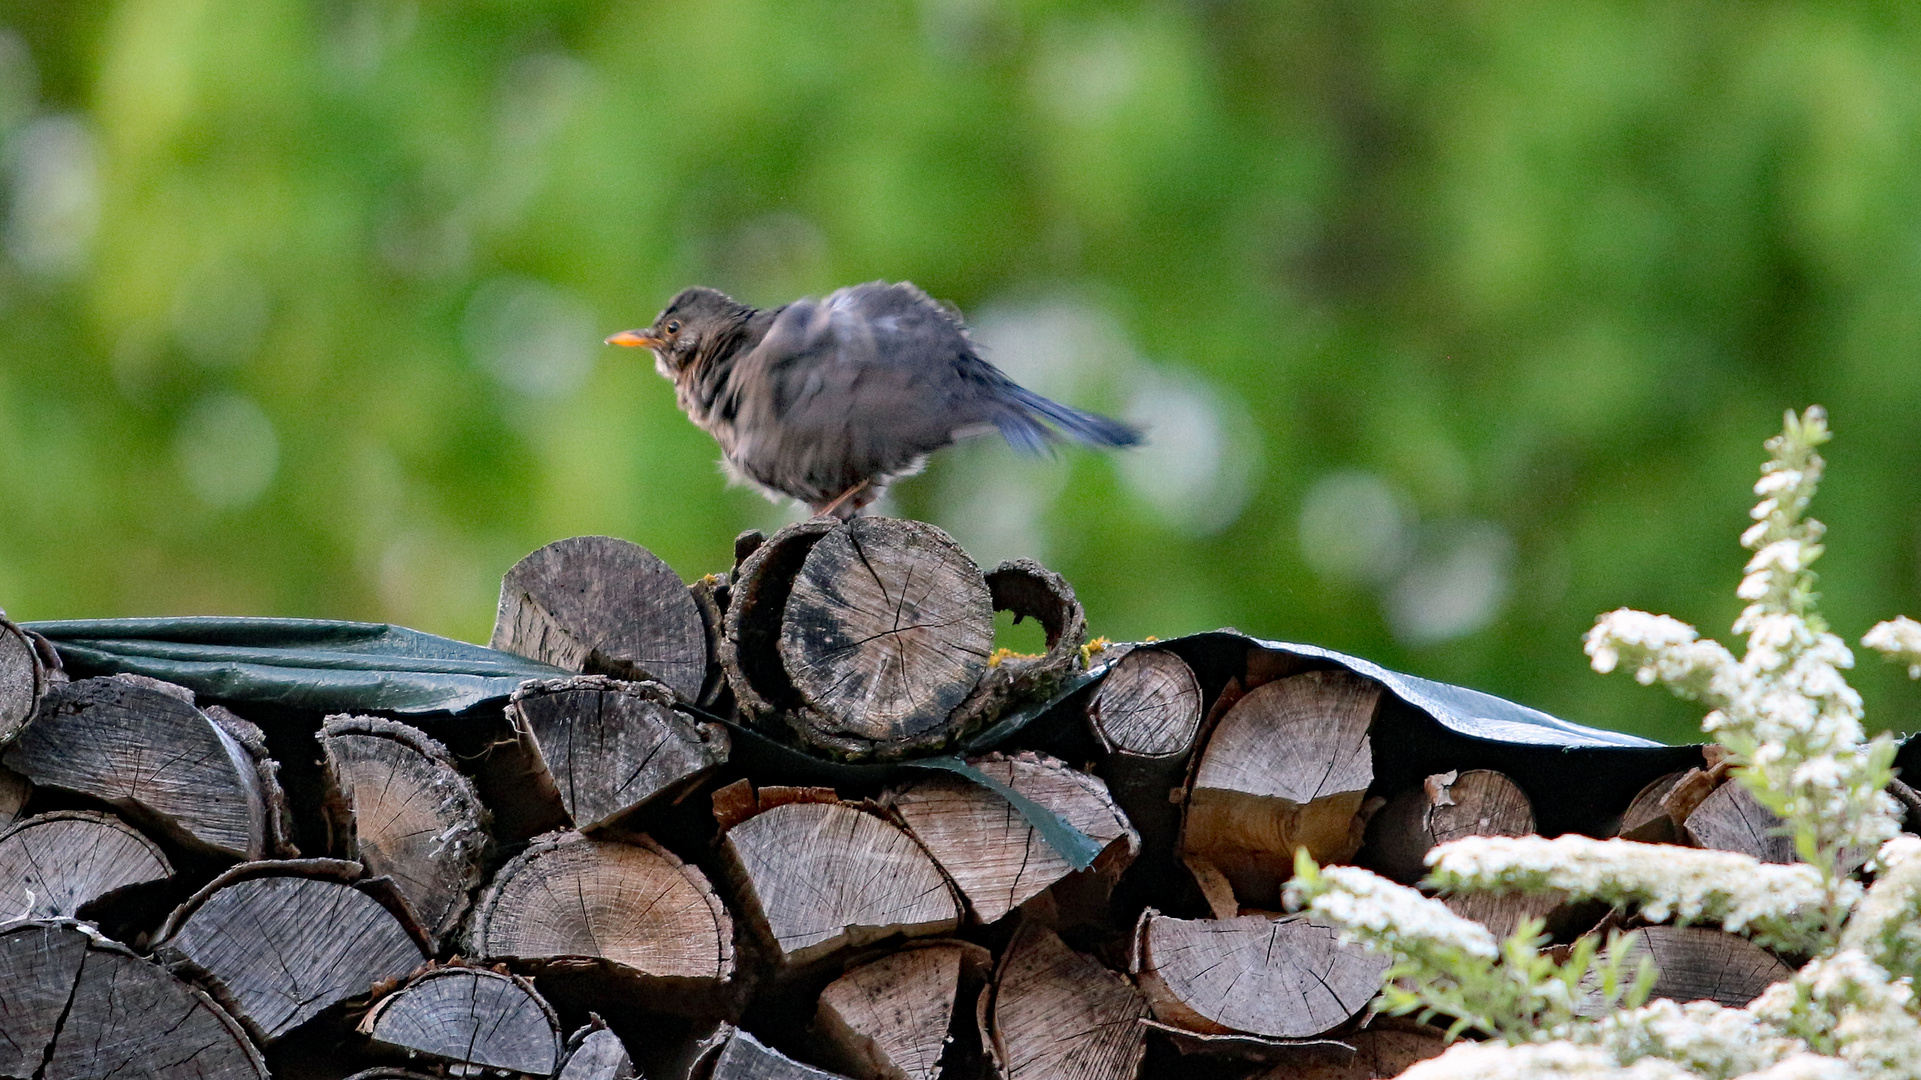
[636, 339]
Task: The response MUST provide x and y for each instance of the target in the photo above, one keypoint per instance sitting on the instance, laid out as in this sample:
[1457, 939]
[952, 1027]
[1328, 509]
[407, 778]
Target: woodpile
[801, 819]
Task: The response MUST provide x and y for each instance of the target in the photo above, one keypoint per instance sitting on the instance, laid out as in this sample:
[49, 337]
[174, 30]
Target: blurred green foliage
[1457, 324]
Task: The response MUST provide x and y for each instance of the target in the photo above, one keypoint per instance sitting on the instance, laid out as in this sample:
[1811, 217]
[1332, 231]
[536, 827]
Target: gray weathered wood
[1695, 963]
[1286, 767]
[631, 909]
[1283, 978]
[611, 746]
[996, 859]
[888, 627]
[1056, 1014]
[22, 679]
[469, 1016]
[398, 805]
[1386, 1047]
[595, 1053]
[747, 1058]
[282, 941]
[600, 605]
[14, 791]
[277, 812]
[73, 1004]
[888, 1019]
[1732, 820]
[152, 755]
[55, 863]
[1147, 716]
[817, 877]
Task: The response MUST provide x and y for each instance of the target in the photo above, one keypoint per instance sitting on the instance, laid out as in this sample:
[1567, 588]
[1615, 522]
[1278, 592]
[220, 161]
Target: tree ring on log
[472, 1017]
[1282, 978]
[887, 628]
[605, 606]
[54, 864]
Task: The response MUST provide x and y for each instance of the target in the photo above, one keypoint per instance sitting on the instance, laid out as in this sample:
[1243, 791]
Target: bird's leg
[834, 508]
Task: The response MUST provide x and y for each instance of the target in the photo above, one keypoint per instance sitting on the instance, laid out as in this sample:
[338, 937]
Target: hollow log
[152, 755]
[471, 1017]
[1287, 767]
[1026, 590]
[744, 1057]
[1147, 716]
[1732, 820]
[888, 1019]
[817, 877]
[595, 1053]
[279, 942]
[1280, 977]
[887, 628]
[1695, 963]
[23, 679]
[77, 1005]
[599, 605]
[996, 859]
[611, 746]
[627, 910]
[397, 804]
[56, 863]
[1056, 1014]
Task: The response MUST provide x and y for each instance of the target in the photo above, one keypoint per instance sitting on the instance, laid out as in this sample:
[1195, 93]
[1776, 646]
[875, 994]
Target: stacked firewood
[803, 819]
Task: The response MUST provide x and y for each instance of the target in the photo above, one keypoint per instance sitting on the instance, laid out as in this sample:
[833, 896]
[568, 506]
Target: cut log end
[469, 1017]
[1056, 1014]
[57, 863]
[1281, 978]
[612, 746]
[23, 680]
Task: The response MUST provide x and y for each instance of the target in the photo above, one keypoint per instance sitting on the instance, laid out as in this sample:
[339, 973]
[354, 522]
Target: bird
[828, 401]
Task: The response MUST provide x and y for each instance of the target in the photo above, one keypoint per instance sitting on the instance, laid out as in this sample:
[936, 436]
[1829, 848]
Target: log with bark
[1695, 963]
[611, 746]
[279, 942]
[1057, 1014]
[398, 805]
[815, 877]
[60, 862]
[596, 1053]
[468, 1019]
[888, 1018]
[73, 1004]
[1147, 716]
[1287, 767]
[152, 755]
[994, 857]
[1278, 977]
[599, 605]
[631, 912]
[23, 679]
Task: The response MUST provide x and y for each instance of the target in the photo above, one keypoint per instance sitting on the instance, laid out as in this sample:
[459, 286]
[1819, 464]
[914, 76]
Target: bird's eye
[673, 326]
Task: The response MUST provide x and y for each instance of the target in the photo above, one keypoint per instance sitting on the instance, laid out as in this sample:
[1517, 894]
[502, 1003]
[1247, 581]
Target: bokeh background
[1454, 324]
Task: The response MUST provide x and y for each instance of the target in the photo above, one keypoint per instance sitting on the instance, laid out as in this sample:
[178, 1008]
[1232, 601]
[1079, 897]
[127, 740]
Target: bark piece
[595, 1053]
[1287, 767]
[888, 1019]
[77, 1005]
[56, 863]
[163, 762]
[23, 679]
[1732, 820]
[744, 1057]
[282, 941]
[1699, 964]
[996, 859]
[399, 806]
[611, 746]
[1056, 1014]
[631, 910]
[887, 628]
[279, 812]
[817, 877]
[469, 1016]
[1282, 978]
[599, 605]
[1027, 590]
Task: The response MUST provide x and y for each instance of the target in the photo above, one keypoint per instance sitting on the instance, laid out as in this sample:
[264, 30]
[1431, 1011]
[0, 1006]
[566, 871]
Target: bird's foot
[846, 505]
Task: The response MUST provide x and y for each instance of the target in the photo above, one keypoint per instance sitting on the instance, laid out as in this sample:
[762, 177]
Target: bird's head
[691, 321]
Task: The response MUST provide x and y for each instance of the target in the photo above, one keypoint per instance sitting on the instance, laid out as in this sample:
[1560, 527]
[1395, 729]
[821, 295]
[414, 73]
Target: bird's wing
[873, 376]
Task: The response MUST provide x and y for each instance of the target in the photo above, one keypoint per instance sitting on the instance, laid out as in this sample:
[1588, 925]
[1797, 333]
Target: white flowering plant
[1793, 730]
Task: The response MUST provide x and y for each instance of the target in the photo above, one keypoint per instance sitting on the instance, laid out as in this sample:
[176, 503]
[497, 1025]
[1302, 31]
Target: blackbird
[829, 401]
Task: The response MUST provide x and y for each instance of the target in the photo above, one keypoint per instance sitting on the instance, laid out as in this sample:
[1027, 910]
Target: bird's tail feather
[1032, 423]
